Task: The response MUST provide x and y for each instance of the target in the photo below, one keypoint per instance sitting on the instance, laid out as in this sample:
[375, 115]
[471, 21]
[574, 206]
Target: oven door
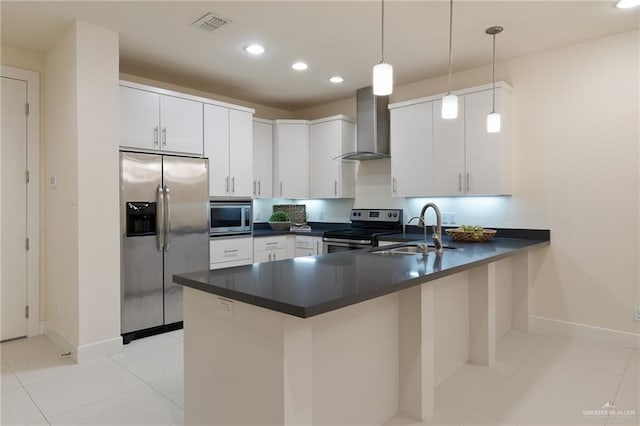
[335, 245]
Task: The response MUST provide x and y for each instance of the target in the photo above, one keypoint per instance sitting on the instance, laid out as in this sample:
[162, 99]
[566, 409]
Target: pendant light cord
[493, 72]
[382, 32]
[450, 42]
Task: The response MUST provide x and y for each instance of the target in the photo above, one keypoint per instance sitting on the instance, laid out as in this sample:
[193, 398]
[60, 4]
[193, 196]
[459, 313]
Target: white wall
[82, 223]
[60, 154]
[98, 184]
[575, 171]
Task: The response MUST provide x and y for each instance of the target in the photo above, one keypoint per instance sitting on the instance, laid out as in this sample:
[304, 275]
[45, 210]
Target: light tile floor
[536, 380]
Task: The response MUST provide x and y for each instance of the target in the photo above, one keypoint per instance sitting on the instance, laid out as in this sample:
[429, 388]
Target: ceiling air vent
[210, 22]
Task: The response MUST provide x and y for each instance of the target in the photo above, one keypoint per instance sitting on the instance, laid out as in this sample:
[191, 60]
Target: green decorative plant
[279, 217]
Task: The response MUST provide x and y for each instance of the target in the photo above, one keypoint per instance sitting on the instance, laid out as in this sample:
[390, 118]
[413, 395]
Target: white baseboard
[99, 349]
[548, 326]
[83, 353]
[59, 340]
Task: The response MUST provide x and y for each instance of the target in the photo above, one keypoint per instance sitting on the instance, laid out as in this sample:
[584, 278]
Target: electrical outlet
[448, 218]
[225, 307]
[636, 314]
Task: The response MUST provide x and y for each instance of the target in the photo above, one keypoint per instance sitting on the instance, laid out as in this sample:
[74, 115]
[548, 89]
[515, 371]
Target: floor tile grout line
[624, 372]
[506, 377]
[149, 385]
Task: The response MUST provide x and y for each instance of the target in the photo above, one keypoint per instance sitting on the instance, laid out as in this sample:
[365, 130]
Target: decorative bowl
[280, 226]
[471, 236]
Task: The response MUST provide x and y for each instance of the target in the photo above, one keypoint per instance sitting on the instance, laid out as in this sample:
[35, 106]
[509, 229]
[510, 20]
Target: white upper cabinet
[448, 163]
[216, 148]
[332, 177]
[262, 158]
[228, 143]
[241, 153]
[181, 125]
[488, 155]
[411, 150]
[291, 159]
[139, 118]
[154, 121]
[431, 156]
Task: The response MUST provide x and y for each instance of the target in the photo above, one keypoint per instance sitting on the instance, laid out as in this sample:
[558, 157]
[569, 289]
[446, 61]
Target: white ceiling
[333, 37]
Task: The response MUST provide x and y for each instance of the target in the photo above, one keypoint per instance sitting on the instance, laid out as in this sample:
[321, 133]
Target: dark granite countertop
[262, 229]
[308, 286]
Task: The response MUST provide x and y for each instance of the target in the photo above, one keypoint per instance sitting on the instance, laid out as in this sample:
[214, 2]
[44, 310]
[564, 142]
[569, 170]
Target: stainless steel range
[366, 226]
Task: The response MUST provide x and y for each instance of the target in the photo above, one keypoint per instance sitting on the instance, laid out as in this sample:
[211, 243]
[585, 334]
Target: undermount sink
[412, 249]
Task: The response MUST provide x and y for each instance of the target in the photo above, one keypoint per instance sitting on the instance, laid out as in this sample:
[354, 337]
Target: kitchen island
[346, 338]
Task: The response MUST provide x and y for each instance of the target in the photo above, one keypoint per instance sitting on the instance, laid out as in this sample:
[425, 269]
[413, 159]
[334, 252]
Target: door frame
[32, 78]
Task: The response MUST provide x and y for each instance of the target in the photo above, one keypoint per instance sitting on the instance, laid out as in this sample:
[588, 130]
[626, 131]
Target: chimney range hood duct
[372, 122]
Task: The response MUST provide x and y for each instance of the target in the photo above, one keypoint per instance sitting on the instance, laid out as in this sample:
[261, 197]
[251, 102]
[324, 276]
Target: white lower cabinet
[270, 249]
[308, 246]
[228, 252]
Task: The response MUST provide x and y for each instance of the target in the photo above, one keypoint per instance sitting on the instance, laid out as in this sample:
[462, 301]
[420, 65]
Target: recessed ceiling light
[626, 4]
[336, 79]
[299, 66]
[254, 49]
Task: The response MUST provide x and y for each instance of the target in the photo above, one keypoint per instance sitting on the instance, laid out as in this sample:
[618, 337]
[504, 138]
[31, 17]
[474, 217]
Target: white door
[411, 150]
[181, 121]
[448, 152]
[216, 148]
[483, 150]
[241, 153]
[325, 141]
[13, 154]
[262, 159]
[139, 118]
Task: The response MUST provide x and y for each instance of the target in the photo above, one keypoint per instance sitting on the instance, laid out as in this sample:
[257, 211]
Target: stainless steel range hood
[372, 126]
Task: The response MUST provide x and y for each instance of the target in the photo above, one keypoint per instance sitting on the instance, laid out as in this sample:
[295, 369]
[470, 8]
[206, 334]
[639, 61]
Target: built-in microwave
[230, 218]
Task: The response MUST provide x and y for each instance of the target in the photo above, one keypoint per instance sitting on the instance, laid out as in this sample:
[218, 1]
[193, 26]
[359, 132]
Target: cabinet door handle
[459, 182]
[164, 136]
[254, 187]
[273, 243]
[335, 187]
[233, 184]
[394, 187]
[317, 247]
[281, 188]
[468, 180]
[269, 257]
[155, 135]
[259, 189]
[275, 256]
[232, 251]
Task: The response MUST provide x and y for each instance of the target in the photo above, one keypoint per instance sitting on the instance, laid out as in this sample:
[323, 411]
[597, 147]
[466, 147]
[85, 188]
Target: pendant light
[450, 102]
[383, 72]
[493, 119]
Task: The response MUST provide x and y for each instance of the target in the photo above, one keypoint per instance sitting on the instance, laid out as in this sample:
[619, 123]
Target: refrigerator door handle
[160, 218]
[167, 228]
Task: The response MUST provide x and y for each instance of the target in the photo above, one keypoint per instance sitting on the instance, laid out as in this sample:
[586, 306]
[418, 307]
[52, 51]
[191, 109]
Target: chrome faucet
[437, 229]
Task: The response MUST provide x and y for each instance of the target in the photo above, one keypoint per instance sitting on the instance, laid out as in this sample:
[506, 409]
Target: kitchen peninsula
[347, 338]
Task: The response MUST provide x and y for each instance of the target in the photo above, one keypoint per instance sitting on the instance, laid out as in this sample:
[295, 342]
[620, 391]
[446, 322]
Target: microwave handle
[160, 218]
[167, 228]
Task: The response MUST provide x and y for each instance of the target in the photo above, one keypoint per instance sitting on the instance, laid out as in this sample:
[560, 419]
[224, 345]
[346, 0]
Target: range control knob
[389, 214]
[395, 215]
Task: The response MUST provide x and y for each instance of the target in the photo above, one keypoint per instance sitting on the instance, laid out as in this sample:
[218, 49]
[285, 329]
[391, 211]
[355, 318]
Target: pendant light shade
[494, 122]
[382, 79]
[383, 72]
[450, 102]
[450, 107]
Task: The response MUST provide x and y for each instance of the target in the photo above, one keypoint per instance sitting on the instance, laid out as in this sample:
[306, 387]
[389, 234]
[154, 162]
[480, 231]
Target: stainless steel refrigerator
[164, 231]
